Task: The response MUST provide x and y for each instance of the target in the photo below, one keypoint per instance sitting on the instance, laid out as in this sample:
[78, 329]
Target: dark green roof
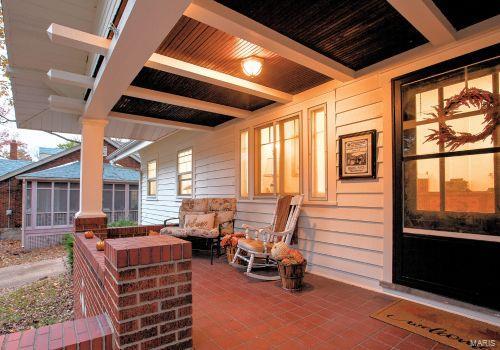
[71, 171]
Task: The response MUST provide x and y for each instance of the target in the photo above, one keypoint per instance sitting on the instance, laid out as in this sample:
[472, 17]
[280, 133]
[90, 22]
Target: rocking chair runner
[258, 248]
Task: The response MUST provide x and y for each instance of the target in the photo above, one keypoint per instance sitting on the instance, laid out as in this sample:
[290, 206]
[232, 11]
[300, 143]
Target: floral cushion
[223, 217]
[189, 232]
[203, 221]
[199, 204]
[222, 204]
[182, 215]
[226, 228]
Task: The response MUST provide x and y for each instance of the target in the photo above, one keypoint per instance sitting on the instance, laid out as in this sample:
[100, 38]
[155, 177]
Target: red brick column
[147, 281]
[98, 225]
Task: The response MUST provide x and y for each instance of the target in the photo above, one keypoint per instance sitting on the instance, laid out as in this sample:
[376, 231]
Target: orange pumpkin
[89, 234]
[99, 245]
[154, 233]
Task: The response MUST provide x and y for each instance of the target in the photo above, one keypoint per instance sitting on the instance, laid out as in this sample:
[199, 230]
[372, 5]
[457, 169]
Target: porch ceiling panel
[463, 14]
[166, 82]
[353, 33]
[137, 106]
[199, 44]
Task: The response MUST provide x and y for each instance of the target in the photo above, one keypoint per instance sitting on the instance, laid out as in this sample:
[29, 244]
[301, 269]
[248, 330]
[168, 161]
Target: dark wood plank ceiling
[131, 105]
[199, 44]
[354, 33]
[157, 80]
[462, 14]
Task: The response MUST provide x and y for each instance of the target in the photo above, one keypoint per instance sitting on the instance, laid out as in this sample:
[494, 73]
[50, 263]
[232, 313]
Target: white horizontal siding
[343, 241]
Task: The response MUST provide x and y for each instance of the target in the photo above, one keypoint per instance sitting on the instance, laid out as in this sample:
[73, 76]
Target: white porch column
[91, 161]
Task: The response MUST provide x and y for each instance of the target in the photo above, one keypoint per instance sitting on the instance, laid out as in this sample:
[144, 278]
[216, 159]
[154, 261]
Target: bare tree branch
[62, 137]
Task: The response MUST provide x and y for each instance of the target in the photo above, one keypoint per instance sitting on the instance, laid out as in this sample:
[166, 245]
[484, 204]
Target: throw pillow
[223, 216]
[201, 221]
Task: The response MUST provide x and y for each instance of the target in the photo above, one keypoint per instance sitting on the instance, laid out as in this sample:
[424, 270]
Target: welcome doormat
[444, 327]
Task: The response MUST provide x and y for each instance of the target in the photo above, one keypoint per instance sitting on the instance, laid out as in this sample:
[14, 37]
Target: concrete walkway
[19, 275]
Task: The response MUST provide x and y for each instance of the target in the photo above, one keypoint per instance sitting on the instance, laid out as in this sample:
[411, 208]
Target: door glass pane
[60, 203]
[445, 190]
[470, 184]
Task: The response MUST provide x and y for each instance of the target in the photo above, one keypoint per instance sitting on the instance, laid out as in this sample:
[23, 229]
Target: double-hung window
[185, 172]
[152, 178]
[277, 161]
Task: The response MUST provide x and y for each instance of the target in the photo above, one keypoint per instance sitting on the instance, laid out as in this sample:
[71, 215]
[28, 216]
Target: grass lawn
[41, 303]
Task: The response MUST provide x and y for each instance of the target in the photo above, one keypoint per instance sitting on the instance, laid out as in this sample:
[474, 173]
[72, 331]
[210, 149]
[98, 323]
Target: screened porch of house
[52, 205]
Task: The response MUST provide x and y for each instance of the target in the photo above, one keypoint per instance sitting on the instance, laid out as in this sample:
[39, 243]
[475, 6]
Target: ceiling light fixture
[252, 66]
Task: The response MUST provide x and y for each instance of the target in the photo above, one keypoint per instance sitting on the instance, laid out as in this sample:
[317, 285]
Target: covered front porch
[232, 312]
[255, 101]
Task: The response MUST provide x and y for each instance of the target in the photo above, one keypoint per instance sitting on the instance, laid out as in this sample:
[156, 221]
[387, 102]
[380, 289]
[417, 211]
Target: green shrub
[68, 241]
[122, 223]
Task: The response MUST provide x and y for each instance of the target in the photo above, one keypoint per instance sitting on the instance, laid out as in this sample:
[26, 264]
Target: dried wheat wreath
[485, 101]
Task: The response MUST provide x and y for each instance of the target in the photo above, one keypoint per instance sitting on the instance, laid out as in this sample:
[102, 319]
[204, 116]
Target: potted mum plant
[229, 243]
[291, 266]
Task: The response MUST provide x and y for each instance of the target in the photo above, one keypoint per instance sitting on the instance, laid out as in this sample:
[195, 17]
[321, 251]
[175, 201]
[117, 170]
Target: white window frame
[256, 151]
[178, 174]
[148, 179]
[310, 112]
[249, 178]
[276, 114]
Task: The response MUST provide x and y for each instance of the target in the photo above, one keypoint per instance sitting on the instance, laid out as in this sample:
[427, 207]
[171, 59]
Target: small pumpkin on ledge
[100, 245]
[89, 234]
[153, 233]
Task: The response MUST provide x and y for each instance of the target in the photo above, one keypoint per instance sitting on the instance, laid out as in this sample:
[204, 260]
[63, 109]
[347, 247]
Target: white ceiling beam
[63, 77]
[143, 120]
[152, 95]
[66, 104]
[78, 39]
[163, 97]
[142, 28]
[189, 70]
[234, 23]
[426, 17]
[171, 65]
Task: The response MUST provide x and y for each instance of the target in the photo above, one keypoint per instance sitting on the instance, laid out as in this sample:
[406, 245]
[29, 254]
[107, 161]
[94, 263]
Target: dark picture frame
[358, 155]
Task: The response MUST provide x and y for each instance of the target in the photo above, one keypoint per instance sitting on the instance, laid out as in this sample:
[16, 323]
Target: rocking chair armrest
[167, 220]
[282, 233]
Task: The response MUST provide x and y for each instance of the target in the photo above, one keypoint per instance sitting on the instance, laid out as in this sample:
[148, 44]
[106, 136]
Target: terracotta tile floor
[232, 311]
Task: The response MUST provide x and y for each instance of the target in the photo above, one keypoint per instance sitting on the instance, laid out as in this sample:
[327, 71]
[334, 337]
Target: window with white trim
[277, 161]
[185, 172]
[244, 164]
[152, 178]
[318, 154]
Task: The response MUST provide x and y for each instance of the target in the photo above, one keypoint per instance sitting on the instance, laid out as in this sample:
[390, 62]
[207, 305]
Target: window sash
[244, 162]
[276, 139]
[318, 167]
[185, 172]
[151, 177]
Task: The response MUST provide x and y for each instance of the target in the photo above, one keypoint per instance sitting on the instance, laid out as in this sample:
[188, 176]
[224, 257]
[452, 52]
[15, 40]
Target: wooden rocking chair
[256, 250]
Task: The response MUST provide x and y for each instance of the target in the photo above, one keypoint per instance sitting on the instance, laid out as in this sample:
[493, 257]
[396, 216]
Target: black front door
[447, 201]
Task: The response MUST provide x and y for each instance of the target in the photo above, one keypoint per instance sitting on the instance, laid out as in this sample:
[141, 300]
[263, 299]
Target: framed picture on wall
[358, 157]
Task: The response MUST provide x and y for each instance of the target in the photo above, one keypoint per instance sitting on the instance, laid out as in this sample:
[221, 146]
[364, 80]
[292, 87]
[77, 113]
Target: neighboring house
[52, 199]
[12, 173]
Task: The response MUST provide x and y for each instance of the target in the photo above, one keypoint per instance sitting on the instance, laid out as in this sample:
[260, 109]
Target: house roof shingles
[71, 171]
[8, 165]
[49, 150]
